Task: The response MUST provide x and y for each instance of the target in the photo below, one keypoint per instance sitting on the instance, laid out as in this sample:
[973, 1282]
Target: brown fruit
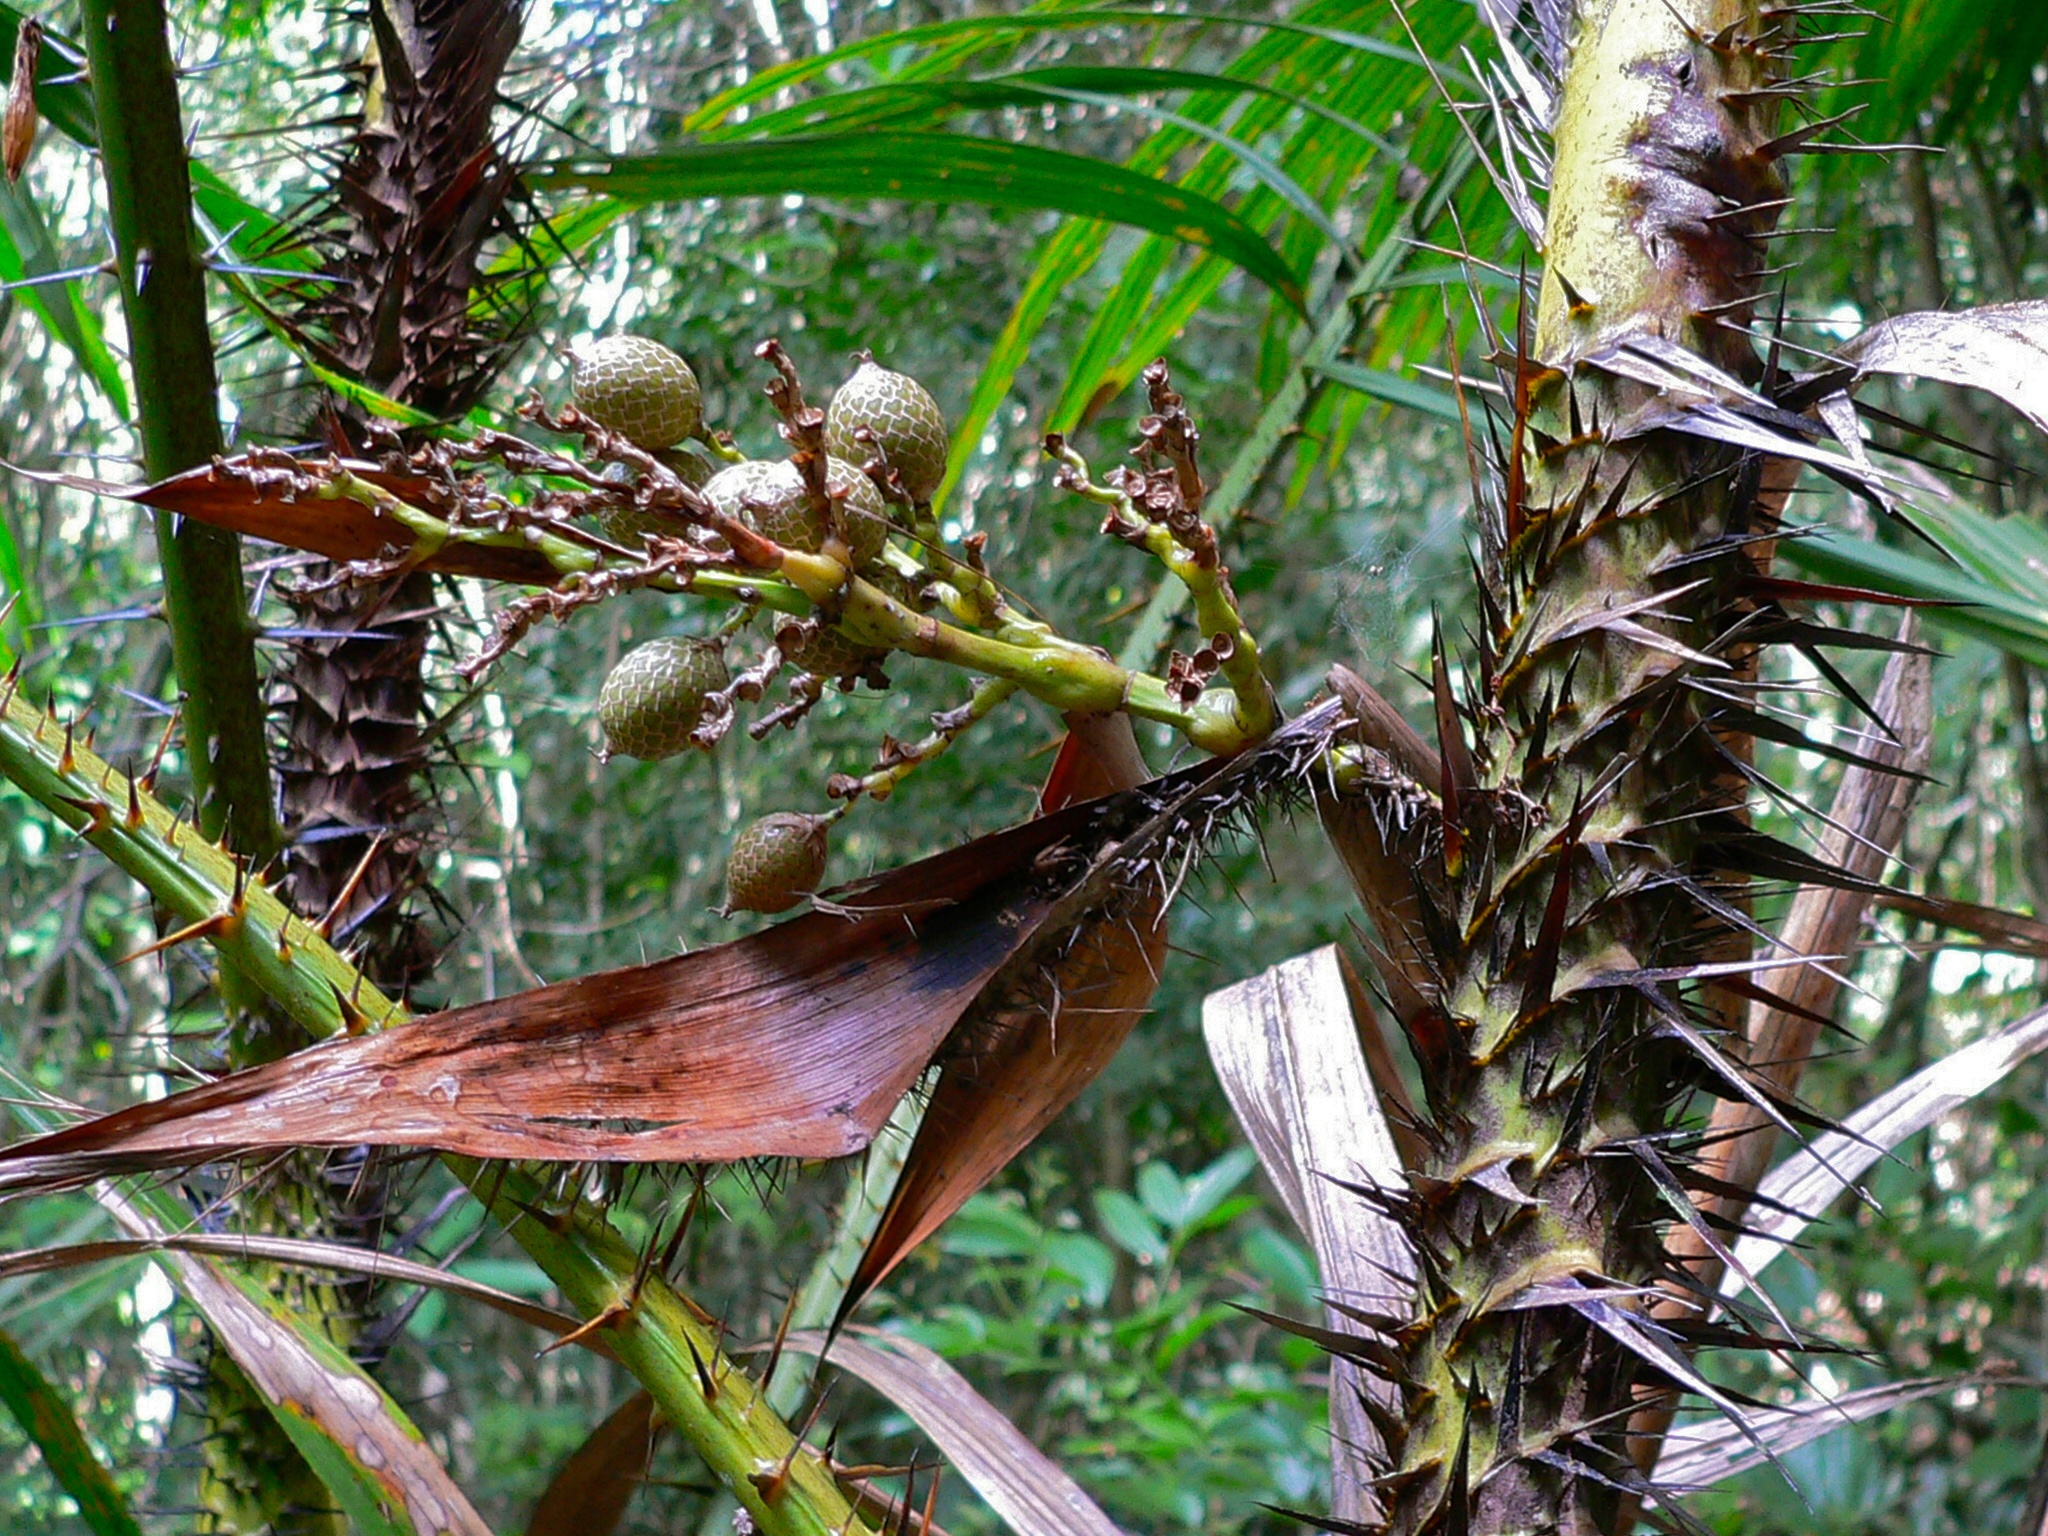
[906, 421]
[639, 389]
[769, 495]
[654, 697]
[776, 862]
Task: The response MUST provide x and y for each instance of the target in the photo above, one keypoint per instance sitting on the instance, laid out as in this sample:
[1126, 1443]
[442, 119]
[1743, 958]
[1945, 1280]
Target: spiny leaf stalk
[670, 1343]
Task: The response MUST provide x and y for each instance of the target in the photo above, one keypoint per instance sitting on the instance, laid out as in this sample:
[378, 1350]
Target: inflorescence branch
[442, 494]
[1157, 508]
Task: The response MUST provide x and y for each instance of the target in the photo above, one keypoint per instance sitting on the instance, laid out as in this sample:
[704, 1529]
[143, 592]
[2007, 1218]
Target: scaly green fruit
[905, 419]
[639, 389]
[832, 654]
[776, 862]
[654, 697]
[632, 528]
[769, 495]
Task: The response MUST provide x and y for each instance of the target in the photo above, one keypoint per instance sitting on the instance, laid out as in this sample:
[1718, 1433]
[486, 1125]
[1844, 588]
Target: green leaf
[1283, 1264]
[340, 384]
[1127, 1224]
[27, 251]
[13, 586]
[46, 1418]
[987, 1228]
[988, 30]
[1189, 1333]
[1073, 248]
[228, 219]
[1164, 1194]
[1108, 87]
[941, 98]
[522, 1277]
[931, 167]
[1394, 388]
[1080, 1258]
[1203, 1193]
[2010, 614]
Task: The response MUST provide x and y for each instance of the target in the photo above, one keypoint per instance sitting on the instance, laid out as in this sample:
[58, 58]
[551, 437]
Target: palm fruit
[632, 528]
[639, 389]
[688, 466]
[832, 654]
[776, 862]
[654, 697]
[906, 422]
[769, 495]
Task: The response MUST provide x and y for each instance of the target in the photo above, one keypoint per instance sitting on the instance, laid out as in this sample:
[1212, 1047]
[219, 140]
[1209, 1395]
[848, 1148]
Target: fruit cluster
[831, 553]
[885, 442]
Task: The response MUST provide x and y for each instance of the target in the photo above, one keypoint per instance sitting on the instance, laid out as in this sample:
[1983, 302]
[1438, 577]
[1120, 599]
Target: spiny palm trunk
[420, 189]
[419, 192]
[1576, 831]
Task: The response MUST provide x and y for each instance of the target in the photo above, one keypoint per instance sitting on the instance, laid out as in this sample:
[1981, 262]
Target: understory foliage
[1627, 672]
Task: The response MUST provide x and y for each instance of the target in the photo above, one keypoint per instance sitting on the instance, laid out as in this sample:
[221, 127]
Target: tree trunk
[1574, 838]
[420, 191]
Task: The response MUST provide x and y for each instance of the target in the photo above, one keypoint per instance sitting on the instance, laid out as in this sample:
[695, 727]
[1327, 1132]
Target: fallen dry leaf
[795, 1041]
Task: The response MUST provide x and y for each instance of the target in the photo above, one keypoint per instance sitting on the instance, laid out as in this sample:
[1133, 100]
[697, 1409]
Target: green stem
[868, 1188]
[674, 1348]
[163, 295]
[1062, 673]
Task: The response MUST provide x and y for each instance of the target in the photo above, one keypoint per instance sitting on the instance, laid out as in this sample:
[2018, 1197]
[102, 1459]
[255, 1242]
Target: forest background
[1092, 1292]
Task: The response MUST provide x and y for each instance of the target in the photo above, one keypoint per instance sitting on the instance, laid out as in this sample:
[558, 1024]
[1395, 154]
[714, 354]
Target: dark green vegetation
[1088, 1293]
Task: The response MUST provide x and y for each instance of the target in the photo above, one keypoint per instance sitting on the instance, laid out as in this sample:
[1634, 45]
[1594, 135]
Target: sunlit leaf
[2002, 348]
[299, 1252]
[1700, 1455]
[999, 27]
[929, 167]
[1286, 1051]
[1801, 1187]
